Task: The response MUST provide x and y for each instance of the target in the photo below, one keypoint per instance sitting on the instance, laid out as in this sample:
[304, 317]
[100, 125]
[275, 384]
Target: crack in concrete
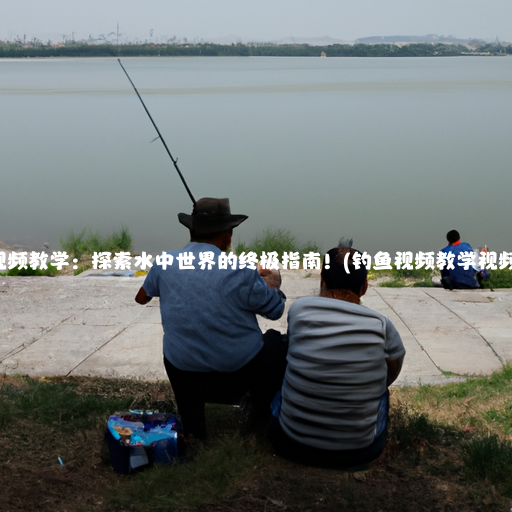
[27, 344]
[469, 325]
[409, 329]
[106, 342]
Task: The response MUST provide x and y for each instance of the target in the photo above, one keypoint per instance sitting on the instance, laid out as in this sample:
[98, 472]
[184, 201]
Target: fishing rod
[174, 161]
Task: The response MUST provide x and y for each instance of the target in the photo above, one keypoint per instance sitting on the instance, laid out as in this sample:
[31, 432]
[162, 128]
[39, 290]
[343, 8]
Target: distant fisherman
[459, 277]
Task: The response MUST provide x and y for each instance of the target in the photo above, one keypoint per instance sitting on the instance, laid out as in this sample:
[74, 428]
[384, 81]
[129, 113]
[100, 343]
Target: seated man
[342, 356]
[214, 350]
[459, 277]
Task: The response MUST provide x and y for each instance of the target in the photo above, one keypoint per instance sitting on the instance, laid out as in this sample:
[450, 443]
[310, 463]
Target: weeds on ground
[80, 246]
[215, 474]
[88, 242]
[29, 271]
[409, 429]
[431, 459]
[489, 458]
[54, 404]
[399, 278]
[78, 271]
[276, 240]
[499, 278]
[423, 278]
[395, 283]
[423, 284]
[484, 403]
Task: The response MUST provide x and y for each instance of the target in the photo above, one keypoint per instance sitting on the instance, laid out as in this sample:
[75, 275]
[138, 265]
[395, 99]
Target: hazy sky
[254, 20]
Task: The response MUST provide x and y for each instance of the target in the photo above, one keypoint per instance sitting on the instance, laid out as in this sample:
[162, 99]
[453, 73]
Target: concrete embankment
[88, 325]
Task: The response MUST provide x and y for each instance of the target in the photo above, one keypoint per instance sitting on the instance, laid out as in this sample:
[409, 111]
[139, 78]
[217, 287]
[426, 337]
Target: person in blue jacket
[463, 275]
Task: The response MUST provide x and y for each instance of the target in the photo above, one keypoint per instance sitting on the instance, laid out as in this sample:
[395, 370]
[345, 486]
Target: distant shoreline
[81, 49]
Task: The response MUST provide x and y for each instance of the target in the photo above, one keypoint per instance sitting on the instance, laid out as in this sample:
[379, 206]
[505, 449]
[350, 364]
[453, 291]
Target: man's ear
[364, 288]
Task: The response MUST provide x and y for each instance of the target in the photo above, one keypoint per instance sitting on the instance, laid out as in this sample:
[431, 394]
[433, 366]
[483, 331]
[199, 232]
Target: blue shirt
[458, 274]
[209, 316]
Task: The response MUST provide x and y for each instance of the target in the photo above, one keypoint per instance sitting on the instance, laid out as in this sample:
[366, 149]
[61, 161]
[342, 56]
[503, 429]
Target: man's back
[214, 350]
[460, 276]
[208, 316]
[336, 373]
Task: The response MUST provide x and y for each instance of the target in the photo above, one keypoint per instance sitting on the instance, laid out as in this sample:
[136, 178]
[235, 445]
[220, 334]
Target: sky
[252, 20]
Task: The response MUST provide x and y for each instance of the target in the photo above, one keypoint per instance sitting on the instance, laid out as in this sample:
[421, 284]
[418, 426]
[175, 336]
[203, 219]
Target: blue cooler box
[137, 439]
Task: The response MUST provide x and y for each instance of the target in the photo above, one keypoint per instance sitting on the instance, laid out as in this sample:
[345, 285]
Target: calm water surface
[394, 152]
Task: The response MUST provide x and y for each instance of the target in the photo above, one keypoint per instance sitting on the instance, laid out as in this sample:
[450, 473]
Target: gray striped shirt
[336, 372]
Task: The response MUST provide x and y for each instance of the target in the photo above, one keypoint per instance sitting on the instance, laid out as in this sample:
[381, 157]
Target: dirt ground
[40, 483]
[430, 479]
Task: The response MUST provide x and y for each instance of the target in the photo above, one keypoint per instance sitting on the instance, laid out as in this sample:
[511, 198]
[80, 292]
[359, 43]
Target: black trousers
[262, 376]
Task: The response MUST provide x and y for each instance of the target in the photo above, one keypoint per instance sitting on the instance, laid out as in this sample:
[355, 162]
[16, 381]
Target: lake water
[393, 152]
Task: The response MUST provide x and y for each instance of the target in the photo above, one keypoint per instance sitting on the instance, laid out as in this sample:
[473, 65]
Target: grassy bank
[84, 244]
[448, 449]
[80, 246]
[395, 278]
[16, 271]
[276, 240]
[399, 278]
[88, 242]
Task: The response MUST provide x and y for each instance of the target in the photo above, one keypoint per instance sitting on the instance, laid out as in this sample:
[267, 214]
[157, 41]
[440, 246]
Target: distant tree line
[82, 49]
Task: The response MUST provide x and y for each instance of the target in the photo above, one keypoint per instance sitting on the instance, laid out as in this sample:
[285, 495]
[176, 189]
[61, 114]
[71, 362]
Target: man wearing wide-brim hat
[214, 350]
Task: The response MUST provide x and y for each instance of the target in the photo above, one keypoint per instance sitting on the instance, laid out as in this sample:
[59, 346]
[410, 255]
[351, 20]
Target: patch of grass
[29, 271]
[429, 462]
[310, 246]
[400, 277]
[75, 244]
[410, 430]
[482, 403]
[479, 388]
[490, 458]
[423, 284]
[88, 242]
[78, 271]
[120, 241]
[502, 417]
[276, 240]
[499, 279]
[94, 243]
[54, 403]
[395, 283]
[215, 474]
[416, 273]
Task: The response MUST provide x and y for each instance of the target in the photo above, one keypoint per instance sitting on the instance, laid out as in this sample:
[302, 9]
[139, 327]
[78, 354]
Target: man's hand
[271, 277]
[142, 297]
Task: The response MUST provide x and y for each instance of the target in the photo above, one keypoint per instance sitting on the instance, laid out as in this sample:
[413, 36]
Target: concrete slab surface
[88, 325]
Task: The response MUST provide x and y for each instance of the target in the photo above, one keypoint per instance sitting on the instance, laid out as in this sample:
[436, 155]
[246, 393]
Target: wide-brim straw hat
[211, 216]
